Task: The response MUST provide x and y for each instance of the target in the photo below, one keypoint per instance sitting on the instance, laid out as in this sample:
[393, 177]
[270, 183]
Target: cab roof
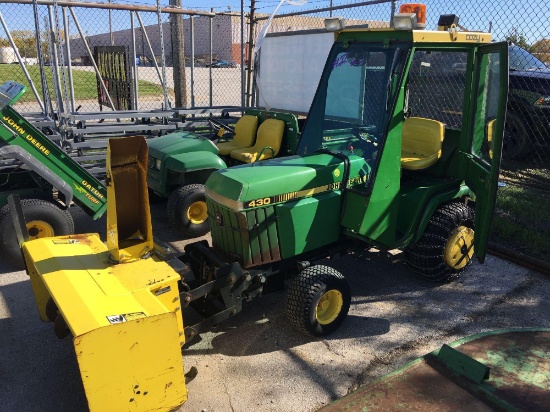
[415, 36]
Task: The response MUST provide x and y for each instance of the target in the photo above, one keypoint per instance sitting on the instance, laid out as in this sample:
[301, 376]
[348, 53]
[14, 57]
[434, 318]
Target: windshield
[523, 60]
[351, 108]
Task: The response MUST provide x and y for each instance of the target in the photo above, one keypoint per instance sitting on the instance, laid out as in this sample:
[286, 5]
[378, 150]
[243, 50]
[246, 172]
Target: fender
[433, 204]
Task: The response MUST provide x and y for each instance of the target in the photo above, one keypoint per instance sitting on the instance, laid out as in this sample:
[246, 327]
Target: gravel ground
[256, 361]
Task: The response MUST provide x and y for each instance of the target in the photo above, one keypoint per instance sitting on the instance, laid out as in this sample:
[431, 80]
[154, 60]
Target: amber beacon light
[417, 8]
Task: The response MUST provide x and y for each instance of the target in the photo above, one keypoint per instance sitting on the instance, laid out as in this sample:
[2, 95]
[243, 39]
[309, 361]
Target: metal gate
[112, 62]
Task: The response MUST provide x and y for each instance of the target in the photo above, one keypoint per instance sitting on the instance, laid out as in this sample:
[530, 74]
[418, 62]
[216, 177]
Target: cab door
[483, 149]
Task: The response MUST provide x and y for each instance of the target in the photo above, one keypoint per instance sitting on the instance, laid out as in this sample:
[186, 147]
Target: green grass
[85, 85]
[522, 221]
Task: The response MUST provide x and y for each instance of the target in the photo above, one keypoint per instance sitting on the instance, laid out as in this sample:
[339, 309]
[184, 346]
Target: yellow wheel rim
[196, 213]
[460, 247]
[38, 229]
[329, 307]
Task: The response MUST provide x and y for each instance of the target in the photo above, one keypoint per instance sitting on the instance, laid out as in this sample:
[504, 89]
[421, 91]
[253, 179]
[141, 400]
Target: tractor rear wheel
[318, 300]
[186, 210]
[446, 246]
[44, 219]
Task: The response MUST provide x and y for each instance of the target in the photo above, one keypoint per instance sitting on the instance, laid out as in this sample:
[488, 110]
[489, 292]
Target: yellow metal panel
[41, 294]
[431, 36]
[129, 229]
[133, 366]
[427, 36]
[88, 288]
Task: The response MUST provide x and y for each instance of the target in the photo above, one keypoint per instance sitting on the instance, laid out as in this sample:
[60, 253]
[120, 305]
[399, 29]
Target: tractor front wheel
[318, 300]
[44, 219]
[186, 210]
[446, 246]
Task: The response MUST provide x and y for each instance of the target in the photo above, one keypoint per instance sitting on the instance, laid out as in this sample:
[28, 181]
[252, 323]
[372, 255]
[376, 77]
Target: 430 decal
[264, 201]
[259, 202]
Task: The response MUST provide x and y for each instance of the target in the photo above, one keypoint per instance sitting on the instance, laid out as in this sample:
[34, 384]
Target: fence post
[68, 51]
[48, 108]
[250, 52]
[54, 62]
[243, 75]
[135, 87]
[178, 56]
[163, 57]
[192, 59]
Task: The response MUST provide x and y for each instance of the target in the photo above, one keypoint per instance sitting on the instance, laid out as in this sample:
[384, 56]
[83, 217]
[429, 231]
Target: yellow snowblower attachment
[119, 300]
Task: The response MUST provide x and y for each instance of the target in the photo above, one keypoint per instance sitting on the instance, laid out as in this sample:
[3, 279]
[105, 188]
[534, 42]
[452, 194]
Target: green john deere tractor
[401, 149]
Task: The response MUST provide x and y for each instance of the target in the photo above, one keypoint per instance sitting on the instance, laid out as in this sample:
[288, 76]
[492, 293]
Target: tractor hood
[179, 142]
[283, 179]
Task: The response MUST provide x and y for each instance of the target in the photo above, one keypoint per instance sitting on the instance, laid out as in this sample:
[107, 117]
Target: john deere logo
[336, 173]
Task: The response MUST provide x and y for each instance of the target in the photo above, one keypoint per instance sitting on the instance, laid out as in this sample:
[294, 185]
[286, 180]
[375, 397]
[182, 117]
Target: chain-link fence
[73, 37]
[215, 48]
[522, 222]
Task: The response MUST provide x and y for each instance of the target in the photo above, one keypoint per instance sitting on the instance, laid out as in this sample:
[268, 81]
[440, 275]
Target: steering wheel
[364, 137]
[217, 125]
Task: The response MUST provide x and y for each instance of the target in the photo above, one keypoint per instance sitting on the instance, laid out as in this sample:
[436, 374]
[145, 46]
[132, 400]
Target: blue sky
[530, 18]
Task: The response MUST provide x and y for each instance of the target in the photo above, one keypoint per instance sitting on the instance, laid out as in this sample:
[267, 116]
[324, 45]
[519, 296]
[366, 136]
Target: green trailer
[44, 176]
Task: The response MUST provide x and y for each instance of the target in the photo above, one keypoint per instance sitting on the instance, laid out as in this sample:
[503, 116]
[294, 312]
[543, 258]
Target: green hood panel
[187, 162]
[285, 176]
[179, 142]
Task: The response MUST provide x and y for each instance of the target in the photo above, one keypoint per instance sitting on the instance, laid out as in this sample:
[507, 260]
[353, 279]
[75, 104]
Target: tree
[541, 49]
[518, 38]
[25, 42]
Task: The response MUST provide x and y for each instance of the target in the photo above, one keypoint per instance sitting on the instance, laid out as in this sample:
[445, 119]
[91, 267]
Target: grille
[248, 237]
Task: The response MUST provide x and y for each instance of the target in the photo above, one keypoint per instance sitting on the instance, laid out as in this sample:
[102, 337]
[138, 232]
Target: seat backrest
[270, 133]
[245, 131]
[422, 141]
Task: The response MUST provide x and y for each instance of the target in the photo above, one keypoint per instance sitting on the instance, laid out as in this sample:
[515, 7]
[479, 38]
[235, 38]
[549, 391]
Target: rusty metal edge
[431, 355]
[519, 258]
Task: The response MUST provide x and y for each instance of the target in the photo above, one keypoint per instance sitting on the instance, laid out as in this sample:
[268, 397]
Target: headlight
[543, 101]
[157, 164]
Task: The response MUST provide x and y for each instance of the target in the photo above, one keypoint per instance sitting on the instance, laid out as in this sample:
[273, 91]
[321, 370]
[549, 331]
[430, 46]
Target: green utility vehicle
[34, 167]
[181, 162]
[401, 149]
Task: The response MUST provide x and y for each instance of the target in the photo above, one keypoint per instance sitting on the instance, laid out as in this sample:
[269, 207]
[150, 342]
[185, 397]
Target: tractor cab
[424, 110]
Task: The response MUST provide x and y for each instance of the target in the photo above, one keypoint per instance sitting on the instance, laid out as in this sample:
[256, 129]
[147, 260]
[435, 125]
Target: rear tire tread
[427, 257]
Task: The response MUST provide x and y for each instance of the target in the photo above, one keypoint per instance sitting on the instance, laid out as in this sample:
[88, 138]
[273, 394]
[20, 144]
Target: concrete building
[226, 37]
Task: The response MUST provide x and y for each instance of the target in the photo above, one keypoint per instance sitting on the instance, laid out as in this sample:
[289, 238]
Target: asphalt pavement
[256, 361]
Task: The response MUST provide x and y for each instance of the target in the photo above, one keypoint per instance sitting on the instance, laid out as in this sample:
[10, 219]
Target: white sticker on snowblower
[125, 317]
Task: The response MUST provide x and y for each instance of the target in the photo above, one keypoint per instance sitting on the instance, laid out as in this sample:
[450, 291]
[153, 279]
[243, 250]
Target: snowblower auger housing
[119, 300]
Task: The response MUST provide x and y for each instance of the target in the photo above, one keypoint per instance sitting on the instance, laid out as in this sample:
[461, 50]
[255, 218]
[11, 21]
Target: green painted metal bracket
[22, 141]
[462, 364]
